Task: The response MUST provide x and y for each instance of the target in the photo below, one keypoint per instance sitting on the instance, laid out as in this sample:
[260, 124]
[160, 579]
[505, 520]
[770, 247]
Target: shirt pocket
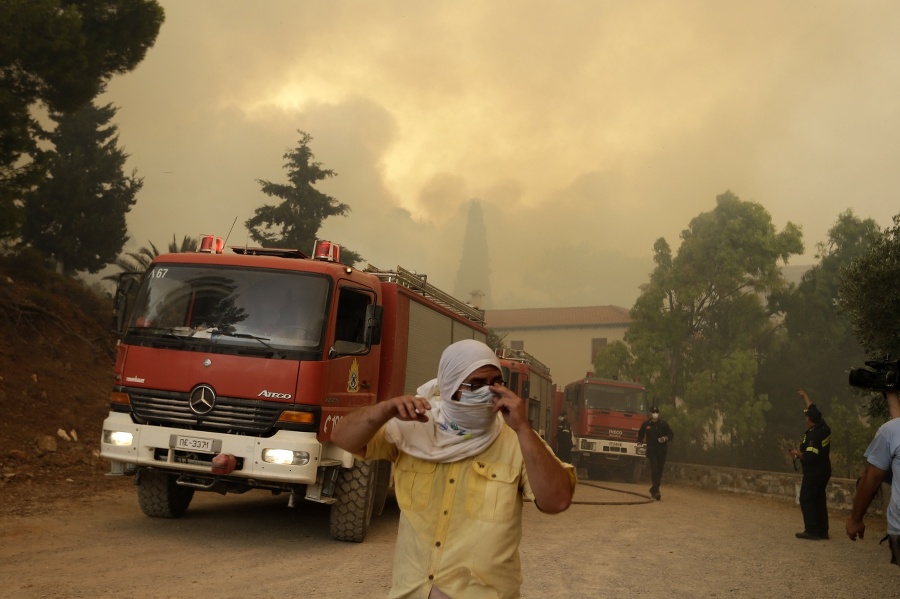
[492, 493]
[413, 482]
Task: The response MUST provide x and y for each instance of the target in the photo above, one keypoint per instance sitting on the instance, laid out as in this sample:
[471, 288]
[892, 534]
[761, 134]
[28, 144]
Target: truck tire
[637, 469]
[382, 485]
[160, 496]
[352, 510]
[595, 472]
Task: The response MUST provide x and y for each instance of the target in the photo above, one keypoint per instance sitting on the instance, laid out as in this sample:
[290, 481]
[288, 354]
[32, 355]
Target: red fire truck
[530, 379]
[606, 415]
[234, 367]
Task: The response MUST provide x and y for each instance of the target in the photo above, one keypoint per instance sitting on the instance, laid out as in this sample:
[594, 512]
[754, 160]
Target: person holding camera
[815, 458]
[883, 457]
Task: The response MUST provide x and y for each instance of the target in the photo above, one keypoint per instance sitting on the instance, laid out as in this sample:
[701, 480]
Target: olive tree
[699, 325]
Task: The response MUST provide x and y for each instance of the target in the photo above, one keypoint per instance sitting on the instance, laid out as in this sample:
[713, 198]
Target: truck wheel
[637, 469]
[352, 510]
[382, 485]
[595, 472]
[160, 496]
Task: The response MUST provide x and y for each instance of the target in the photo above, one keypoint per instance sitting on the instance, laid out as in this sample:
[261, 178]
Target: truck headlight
[118, 438]
[285, 457]
[640, 450]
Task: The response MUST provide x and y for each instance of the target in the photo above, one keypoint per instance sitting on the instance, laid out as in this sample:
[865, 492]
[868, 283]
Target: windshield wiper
[163, 336]
[263, 340]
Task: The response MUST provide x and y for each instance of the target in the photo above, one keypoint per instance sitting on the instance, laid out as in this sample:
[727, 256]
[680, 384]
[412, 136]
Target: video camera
[882, 375]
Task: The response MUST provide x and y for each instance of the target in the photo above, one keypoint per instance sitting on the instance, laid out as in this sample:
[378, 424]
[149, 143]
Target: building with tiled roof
[565, 339]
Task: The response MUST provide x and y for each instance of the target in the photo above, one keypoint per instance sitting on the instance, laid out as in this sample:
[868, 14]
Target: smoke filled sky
[588, 129]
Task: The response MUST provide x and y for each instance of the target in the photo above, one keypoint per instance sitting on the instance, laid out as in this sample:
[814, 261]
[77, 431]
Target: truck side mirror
[124, 291]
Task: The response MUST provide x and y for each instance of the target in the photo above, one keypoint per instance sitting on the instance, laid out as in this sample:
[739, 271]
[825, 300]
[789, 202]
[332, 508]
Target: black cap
[813, 413]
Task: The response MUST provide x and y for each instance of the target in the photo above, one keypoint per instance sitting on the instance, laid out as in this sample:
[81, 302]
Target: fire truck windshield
[614, 398]
[232, 307]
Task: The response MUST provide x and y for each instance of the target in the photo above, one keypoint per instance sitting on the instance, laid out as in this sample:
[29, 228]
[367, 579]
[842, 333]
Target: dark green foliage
[816, 347]
[700, 324]
[870, 294]
[28, 267]
[58, 54]
[496, 340]
[52, 292]
[295, 222]
[870, 299]
[614, 362]
[76, 214]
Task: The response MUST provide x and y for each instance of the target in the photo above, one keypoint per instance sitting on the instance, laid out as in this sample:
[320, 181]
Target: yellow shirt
[460, 522]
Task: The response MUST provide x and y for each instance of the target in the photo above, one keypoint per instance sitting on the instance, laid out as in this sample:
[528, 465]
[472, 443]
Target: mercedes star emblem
[202, 400]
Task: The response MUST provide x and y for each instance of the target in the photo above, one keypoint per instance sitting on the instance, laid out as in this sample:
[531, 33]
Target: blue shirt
[884, 453]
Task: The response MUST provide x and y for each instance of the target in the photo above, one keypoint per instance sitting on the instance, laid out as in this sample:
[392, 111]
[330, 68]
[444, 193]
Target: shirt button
[452, 481]
[431, 577]
[438, 544]
[445, 512]
[493, 476]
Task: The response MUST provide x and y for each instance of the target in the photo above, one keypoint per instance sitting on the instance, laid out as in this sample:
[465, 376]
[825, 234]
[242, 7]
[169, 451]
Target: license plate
[614, 444]
[193, 444]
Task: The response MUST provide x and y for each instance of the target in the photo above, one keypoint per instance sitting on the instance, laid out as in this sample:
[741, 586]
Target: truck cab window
[233, 308]
[351, 316]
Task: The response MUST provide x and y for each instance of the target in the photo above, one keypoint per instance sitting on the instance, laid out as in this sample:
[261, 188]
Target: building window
[519, 345]
[597, 345]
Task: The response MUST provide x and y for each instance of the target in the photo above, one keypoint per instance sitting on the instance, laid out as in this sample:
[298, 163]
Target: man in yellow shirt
[465, 457]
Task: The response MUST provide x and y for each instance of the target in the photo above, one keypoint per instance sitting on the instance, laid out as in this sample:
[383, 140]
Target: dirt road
[694, 543]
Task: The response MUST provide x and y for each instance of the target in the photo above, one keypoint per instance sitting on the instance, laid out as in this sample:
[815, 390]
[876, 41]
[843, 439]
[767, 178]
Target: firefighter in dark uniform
[564, 439]
[658, 434]
[814, 456]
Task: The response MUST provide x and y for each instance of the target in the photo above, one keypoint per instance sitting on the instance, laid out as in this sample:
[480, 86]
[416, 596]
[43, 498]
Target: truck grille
[613, 434]
[229, 413]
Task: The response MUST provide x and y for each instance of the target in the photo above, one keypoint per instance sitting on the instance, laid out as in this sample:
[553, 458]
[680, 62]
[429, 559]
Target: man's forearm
[549, 480]
[865, 491]
[356, 429]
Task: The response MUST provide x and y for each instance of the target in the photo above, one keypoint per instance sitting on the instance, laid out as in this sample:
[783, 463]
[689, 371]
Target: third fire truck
[606, 415]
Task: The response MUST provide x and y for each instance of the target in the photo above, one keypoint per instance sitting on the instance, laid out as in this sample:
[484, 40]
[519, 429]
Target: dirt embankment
[56, 362]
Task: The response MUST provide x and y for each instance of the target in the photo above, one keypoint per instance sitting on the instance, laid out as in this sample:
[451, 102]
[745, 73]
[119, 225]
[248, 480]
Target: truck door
[352, 365]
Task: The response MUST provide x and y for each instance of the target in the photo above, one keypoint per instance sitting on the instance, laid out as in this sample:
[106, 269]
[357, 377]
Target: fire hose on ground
[643, 498]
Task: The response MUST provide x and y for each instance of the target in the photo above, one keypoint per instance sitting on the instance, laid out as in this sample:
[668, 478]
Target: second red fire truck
[606, 415]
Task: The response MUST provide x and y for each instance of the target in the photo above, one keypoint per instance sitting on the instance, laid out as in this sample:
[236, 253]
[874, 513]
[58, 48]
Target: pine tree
[76, 215]
[58, 54]
[295, 222]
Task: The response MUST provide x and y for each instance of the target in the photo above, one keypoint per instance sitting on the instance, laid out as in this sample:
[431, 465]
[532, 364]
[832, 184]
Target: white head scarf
[454, 430]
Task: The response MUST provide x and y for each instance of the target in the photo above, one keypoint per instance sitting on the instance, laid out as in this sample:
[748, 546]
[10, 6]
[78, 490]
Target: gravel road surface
[613, 543]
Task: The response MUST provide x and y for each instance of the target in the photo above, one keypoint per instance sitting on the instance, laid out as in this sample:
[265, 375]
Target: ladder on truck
[419, 284]
[520, 355]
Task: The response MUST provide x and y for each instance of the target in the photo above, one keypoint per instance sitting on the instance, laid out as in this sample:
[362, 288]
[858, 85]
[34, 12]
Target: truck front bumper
[287, 457]
[597, 450]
